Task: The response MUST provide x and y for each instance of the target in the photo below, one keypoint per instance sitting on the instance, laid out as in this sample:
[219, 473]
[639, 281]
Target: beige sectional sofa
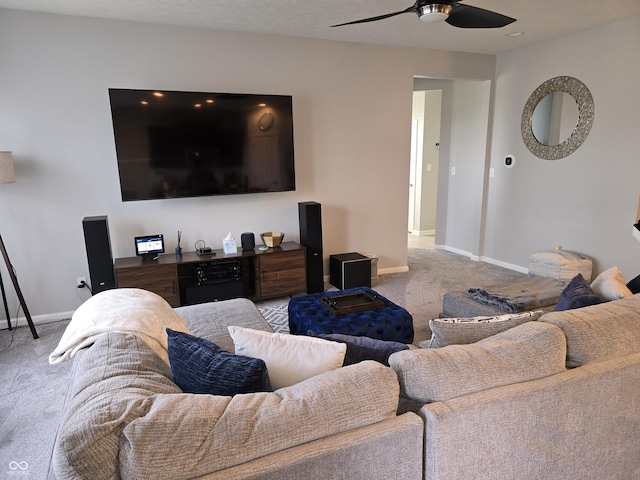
[556, 398]
[507, 408]
[126, 418]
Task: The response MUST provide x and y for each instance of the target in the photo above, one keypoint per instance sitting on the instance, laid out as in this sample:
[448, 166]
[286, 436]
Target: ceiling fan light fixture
[436, 12]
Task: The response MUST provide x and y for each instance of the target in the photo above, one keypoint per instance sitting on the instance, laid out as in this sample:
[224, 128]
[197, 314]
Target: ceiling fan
[455, 14]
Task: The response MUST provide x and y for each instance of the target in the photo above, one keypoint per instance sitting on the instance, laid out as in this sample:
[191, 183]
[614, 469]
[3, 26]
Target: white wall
[587, 201]
[470, 115]
[352, 114]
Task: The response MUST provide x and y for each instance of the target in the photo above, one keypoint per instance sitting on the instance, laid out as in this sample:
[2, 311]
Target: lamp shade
[7, 175]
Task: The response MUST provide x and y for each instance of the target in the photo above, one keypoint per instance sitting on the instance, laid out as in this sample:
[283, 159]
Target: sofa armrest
[581, 423]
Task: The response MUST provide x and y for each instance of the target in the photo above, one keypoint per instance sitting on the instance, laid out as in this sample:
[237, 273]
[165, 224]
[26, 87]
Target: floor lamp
[7, 175]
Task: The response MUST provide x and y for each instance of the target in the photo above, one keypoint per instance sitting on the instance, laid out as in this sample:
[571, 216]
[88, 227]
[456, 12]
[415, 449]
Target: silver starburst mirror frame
[584, 101]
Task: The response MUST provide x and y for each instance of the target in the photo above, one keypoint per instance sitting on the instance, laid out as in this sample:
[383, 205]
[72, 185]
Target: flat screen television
[173, 144]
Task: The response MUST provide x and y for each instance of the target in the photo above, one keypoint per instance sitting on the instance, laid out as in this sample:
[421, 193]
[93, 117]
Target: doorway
[460, 170]
[424, 167]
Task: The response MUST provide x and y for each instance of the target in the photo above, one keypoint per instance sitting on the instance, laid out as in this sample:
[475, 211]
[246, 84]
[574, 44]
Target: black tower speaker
[310, 217]
[98, 245]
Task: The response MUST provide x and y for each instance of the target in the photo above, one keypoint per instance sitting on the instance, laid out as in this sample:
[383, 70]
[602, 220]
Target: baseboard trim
[464, 253]
[506, 265]
[388, 271]
[492, 261]
[37, 319]
[422, 232]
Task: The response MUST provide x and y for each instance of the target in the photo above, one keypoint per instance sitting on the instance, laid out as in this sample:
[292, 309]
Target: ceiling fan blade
[412, 8]
[466, 16]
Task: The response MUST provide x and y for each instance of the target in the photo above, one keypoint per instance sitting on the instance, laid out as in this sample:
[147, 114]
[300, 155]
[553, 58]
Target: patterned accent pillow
[610, 285]
[200, 366]
[462, 331]
[290, 358]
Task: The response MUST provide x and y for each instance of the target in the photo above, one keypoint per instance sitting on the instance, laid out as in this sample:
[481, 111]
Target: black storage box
[348, 270]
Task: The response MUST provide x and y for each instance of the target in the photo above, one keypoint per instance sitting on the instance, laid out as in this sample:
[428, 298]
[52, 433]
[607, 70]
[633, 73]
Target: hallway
[421, 241]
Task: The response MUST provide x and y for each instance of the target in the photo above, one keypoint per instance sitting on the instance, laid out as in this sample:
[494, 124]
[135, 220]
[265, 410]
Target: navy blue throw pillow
[577, 294]
[363, 348]
[200, 366]
[634, 285]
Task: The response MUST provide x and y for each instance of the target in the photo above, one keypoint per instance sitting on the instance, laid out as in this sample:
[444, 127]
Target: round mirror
[557, 118]
[554, 118]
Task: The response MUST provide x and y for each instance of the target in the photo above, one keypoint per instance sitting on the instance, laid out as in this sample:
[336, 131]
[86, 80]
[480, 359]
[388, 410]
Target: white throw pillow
[289, 358]
[610, 285]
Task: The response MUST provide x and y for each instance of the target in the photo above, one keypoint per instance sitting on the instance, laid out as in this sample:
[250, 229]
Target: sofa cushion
[577, 294]
[211, 320]
[363, 348]
[610, 285]
[200, 366]
[599, 332]
[289, 358]
[114, 382]
[460, 331]
[526, 352]
[213, 433]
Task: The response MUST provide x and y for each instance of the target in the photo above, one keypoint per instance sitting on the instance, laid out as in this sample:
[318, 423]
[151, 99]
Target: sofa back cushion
[526, 352]
[599, 332]
[187, 436]
[211, 320]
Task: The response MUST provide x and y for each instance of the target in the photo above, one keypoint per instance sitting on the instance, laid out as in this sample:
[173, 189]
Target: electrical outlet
[81, 282]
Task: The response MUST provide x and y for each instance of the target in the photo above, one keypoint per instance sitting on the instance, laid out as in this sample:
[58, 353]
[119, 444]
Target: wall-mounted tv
[173, 144]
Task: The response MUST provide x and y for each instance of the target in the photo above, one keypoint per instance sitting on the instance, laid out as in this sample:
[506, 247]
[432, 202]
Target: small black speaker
[99, 258]
[248, 241]
[310, 217]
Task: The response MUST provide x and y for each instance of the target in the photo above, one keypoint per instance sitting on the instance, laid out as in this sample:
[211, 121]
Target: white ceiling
[538, 20]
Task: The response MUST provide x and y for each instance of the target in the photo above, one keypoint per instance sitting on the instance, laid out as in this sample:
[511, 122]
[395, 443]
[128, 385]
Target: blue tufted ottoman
[390, 322]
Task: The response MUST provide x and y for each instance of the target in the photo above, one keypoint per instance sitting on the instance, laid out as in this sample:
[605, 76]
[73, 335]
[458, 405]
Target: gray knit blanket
[520, 295]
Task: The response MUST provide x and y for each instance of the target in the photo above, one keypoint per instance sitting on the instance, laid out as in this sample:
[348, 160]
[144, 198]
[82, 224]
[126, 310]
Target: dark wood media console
[254, 274]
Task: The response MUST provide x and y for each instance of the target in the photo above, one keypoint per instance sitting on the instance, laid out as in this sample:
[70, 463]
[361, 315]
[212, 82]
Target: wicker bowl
[272, 239]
